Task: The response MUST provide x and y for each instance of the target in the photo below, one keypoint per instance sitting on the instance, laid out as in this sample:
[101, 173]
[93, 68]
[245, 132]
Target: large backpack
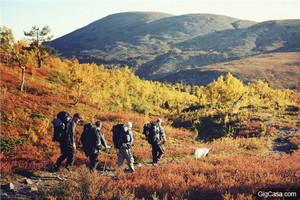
[151, 131]
[60, 125]
[89, 138]
[120, 136]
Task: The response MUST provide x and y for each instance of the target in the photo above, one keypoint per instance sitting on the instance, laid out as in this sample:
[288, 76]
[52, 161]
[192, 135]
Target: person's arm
[69, 134]
[103, 141]
[70, 137]
[131, 137]
[162, 133]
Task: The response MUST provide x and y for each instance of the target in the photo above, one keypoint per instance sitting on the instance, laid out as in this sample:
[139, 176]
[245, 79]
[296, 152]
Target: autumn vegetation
[236, 121]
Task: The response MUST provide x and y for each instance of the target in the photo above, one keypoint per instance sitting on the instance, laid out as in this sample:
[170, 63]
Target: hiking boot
[129, 170]
[55, 168]
[69, 168]
[92, 170]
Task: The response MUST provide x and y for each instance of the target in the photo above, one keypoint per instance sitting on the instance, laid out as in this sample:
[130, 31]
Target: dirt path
[30, 187]
[281, 144]
[27, 188]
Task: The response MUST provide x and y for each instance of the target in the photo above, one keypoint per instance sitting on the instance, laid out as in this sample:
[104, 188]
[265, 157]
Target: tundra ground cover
[235, 121]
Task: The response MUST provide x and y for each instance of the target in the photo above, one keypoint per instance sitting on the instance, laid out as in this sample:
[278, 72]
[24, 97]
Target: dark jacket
[100, 139]
[69, 138]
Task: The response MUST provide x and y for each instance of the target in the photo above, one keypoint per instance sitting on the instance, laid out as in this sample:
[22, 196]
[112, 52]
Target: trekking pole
[107, 151]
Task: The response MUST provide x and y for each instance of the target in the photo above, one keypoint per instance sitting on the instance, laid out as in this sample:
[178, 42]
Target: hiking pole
[107, 151]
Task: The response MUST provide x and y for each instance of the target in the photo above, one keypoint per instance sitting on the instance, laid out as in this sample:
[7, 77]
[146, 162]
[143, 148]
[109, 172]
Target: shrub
[83, 184]
[8, 144]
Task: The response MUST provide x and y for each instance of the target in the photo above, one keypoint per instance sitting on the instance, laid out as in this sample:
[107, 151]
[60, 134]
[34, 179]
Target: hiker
[92, 141]
[159, 138]
[67, 144]
[125, 147]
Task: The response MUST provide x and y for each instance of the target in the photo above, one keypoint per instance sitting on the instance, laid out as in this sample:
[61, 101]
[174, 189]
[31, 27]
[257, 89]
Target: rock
[33, 188]
[4, 196]
[138, 165]
[8, 187]
[47, 185]
[28, 181]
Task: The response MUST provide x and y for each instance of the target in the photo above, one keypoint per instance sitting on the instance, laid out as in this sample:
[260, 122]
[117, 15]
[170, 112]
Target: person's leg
[120, 158]
[94, 159]
[70, 159]
[64, 155]
[154, 152]
[59, 161]
[130, 159]
[161, 152]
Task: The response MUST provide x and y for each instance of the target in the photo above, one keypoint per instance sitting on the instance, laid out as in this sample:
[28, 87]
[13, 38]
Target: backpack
[151, 132]
[120, 136]
[89, 138]
[60, 125]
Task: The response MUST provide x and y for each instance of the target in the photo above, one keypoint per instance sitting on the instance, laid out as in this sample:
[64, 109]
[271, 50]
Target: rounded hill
[156, 45]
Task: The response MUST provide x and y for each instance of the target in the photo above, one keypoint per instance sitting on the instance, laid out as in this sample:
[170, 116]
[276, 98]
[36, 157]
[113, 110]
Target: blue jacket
[131, 137]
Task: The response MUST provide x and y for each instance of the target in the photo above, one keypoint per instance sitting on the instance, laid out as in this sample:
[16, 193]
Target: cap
[128, 125]
[77, 115]
[98, 124]
[159, 120]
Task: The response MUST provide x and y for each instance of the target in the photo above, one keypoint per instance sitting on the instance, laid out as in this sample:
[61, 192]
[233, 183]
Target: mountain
[157, 45]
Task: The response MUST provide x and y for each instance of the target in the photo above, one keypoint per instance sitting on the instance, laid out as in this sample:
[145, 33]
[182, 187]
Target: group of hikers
[92, 138]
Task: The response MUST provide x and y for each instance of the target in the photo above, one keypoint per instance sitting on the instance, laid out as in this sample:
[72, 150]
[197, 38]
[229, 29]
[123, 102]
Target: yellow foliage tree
[225, 94]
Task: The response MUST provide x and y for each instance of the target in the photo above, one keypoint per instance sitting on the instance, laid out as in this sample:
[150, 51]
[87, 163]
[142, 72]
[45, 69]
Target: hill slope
[281, 69]
[156, 45]
[224, 108]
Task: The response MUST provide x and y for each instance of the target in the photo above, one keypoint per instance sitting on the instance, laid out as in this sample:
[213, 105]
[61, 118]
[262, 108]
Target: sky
[65, 16]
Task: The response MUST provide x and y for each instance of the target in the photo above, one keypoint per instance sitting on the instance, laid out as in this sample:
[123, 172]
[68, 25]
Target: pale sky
[65, 16]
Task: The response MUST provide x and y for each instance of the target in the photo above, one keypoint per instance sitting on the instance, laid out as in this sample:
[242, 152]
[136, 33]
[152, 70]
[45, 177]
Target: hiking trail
[280, 143]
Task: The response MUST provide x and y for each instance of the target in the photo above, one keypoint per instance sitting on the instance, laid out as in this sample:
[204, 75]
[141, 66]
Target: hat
[159, 120]
[128, 125]
[98, 124]
[77, 115]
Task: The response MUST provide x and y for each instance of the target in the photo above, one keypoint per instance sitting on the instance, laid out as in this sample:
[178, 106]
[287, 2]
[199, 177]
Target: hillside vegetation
[159, 46]
[236, 121]
[281, 70]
